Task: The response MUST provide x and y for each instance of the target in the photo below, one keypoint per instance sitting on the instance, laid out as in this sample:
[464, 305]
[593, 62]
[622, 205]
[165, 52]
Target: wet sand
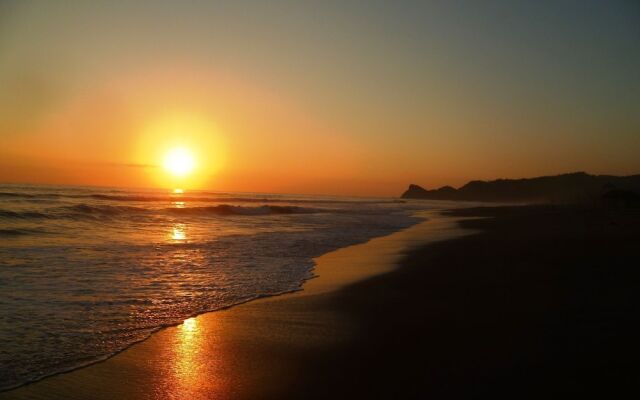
[254, 350]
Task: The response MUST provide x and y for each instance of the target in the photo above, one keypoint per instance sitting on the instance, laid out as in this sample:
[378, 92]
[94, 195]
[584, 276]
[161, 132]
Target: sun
[179, 161]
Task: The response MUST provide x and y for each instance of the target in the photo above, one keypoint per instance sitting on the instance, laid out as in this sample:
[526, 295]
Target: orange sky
[312, 99]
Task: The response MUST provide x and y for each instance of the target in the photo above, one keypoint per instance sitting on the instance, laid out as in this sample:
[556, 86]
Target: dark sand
[540, 304]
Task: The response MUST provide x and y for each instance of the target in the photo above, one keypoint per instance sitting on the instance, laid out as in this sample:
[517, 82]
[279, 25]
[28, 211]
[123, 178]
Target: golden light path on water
[178, 232]
[188, 369]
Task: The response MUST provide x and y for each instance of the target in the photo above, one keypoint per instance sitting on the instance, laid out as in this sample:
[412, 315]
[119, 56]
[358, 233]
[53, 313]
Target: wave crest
[227, 209]
[22, 214]
[222, 209]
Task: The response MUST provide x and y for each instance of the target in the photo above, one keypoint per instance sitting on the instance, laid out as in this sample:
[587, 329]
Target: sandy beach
[533, 301]
[541, 303]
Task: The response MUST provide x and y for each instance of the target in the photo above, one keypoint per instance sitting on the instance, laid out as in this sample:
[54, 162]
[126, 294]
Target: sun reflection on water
[178, 232]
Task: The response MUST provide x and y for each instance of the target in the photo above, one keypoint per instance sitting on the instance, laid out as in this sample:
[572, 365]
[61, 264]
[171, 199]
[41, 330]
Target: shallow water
[86, 272]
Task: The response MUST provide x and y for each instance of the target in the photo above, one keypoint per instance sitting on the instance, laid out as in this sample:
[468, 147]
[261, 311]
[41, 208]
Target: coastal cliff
[572, 187]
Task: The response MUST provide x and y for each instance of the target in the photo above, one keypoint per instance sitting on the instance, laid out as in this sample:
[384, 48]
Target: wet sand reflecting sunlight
[189, 373]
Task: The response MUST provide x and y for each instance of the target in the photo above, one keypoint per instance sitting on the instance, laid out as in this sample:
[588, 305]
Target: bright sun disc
[179, 162]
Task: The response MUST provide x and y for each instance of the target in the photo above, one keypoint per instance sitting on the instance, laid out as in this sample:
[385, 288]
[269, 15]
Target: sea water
[86, 272]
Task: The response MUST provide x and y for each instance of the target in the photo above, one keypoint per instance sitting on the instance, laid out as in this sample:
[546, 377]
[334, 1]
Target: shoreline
[333, 271]
[539, 302]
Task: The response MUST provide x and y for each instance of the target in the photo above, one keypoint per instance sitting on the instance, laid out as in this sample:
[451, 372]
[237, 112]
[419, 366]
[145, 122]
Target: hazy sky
[322, 97]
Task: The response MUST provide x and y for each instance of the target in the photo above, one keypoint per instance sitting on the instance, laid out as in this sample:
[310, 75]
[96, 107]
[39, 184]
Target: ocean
[85, 272]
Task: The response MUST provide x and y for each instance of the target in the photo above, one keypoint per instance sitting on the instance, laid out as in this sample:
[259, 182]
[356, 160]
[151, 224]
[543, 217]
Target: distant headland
[571, 187]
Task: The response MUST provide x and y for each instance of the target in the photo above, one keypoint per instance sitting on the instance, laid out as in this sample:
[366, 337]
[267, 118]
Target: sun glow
[179, 161]
[183, 150]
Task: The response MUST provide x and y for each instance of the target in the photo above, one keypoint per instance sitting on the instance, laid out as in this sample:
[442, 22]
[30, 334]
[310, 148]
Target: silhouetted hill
[573, 187]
